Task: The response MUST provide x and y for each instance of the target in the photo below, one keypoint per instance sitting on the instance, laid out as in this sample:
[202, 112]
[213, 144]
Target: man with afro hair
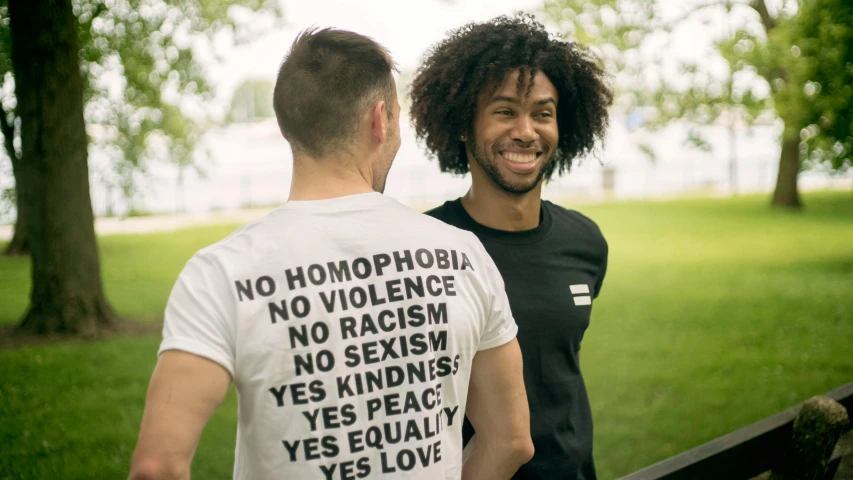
[513, 105]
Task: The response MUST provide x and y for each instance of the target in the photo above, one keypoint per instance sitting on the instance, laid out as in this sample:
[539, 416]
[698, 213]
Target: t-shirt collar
[504, 236]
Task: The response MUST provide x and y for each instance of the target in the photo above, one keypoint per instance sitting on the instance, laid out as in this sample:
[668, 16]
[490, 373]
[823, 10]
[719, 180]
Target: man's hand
[184, 392]
[497, 408]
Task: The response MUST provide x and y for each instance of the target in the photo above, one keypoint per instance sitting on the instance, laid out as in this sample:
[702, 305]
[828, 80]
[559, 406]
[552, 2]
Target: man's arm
[497, 408]
[184, 392]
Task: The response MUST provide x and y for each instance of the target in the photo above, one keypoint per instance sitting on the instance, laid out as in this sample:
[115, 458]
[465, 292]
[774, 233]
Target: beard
[489, 165]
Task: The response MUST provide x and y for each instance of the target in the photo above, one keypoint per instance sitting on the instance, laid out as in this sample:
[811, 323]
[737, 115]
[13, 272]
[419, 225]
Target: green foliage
[648, 151]
[697, 141]
[807, 61]
[820, 60]
[5, 39]
[146, 94]
[702, 327]
[252, 100]
[794, 64]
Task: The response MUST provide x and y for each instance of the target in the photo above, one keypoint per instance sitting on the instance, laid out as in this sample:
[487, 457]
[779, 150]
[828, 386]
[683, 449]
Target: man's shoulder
[575, 220]
[447, 212]
[446, 219]
[231, 249]
[444, 222]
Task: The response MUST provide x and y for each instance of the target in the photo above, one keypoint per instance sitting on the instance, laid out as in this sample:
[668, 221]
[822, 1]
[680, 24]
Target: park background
[727, 298]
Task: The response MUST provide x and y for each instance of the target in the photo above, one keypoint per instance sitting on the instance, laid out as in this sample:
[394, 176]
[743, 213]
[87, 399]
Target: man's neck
[501, 210]
[325, 178]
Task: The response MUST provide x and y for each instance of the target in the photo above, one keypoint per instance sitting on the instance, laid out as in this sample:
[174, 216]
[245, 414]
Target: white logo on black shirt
[578, 291]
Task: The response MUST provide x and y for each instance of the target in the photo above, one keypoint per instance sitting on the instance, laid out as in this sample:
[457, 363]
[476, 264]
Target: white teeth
[520, 157]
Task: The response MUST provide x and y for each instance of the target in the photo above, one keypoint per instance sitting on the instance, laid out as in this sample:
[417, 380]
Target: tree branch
[8, 136]
[698, 8]
[766, 19]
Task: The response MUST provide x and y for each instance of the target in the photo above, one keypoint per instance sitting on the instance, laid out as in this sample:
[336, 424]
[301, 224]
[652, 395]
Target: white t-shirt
[349, 326]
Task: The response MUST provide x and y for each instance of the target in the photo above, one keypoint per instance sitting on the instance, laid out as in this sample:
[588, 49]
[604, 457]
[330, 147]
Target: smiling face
[514, 136]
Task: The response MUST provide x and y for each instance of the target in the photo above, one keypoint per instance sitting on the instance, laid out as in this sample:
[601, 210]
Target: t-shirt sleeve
[599, 281]
[195, 320]
[500, 324]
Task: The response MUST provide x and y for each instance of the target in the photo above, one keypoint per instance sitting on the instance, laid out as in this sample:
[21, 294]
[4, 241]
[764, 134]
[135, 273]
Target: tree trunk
[786, 193]
[53, 183]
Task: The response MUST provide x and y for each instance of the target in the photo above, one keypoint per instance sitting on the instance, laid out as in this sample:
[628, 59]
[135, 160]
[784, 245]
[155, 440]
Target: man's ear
[378, 118]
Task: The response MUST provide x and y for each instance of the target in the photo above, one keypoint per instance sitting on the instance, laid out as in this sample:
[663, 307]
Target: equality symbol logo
[581, 293]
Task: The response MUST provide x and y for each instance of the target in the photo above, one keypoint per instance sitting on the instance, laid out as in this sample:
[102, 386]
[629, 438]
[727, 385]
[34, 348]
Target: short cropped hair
[324, 83]
[475, 58]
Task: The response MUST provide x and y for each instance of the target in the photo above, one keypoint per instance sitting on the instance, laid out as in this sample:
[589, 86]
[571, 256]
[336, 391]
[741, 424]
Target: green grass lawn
[714, 314]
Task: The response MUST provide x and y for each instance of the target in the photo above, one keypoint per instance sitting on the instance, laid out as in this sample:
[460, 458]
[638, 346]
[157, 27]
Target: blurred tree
[48, 44]
[53, 182]
[404, 87]
[819, 56]
[252, 100]
[789, 62]
[145, 91]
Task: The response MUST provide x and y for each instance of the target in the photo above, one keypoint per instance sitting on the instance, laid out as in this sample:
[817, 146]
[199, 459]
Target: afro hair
[475, 58]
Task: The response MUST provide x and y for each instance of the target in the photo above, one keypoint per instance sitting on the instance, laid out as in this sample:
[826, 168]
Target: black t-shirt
[551, 274]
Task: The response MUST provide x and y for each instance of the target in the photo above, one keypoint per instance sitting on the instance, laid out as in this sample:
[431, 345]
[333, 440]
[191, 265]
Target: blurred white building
[249, 164]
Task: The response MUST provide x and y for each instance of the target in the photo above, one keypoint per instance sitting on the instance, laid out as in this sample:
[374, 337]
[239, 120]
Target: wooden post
[817, 428]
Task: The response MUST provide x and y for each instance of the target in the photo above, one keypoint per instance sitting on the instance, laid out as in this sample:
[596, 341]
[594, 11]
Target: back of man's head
[324, 85]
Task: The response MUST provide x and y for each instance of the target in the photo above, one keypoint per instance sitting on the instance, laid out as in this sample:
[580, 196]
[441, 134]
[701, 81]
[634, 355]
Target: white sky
[408, 28]
[405, 27]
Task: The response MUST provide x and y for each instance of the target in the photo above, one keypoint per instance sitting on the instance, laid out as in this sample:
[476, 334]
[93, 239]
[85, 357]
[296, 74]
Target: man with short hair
[513, 105]
[356, 330]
